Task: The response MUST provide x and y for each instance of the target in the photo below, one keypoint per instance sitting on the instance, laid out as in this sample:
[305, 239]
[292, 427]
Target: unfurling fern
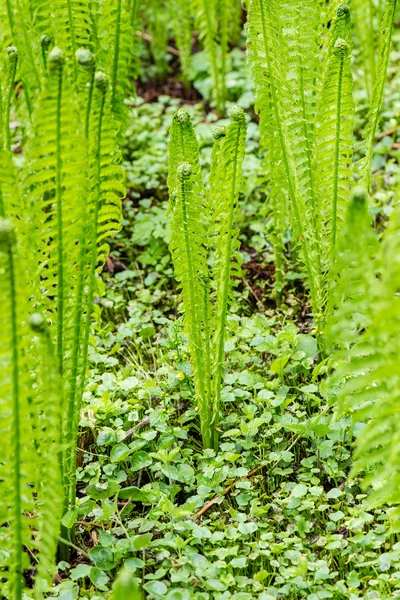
[203, 226]
[73, 187]
[334, 149]
[378, 91]
[224, 192]
[30, 411]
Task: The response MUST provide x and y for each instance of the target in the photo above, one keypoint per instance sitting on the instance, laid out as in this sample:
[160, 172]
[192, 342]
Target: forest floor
[273, 514]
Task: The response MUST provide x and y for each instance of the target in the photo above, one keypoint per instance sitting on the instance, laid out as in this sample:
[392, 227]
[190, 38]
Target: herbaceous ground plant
[199, 299]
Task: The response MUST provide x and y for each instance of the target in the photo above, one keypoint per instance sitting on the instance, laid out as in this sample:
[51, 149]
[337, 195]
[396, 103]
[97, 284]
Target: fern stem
[116, 54]
[60, 252]
[76, 346]
[12, 62]
[89, 105]
[17, 508]
[337, 157]
[134, 11]
[371, 47]
[207, 339]
[72, 36]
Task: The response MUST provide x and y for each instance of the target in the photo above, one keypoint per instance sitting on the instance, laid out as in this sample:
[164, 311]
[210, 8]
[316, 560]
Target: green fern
[203, 227]
[365, 15]
[368, 372]
[378, 91]
[207, 22]
[30, 478]
[281, 128]
[334, 149]
[189, 253]
[225, 181]
[115, 53]
[353, 277]
[182, 22]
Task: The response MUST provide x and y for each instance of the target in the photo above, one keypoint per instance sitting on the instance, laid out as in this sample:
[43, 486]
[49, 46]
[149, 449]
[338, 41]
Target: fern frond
[54, 187]
[206, 19]
[182, 23]
[353, 277]
[224, 191]
[370, 371]
[189, 252]
[334, 149]
[365, 15]
[30, 478]
[71, 27]
[280, 124]
[300, 21]
[20, 33]
[183, 147]
[103, 216]
[114, 56]
[378, 91]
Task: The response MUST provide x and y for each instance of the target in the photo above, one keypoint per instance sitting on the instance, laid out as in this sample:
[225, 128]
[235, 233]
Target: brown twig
[391, 131]
[148, 38]
[142, 423]
[228, 489]
[89, 524]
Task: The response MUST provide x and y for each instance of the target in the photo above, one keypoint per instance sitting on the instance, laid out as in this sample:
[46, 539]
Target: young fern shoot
[189, 253]
[334, 150]
[203, 227]
[225, 182]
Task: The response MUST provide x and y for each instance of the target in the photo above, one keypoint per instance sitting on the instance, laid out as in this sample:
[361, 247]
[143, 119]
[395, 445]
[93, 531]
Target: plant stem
[16, 436]
[60, 253]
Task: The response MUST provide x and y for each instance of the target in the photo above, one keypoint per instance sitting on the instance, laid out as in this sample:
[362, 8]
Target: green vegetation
[199, 300]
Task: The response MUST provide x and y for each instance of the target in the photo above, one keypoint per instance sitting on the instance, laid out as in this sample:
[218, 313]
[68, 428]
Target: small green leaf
[69, 518]
[299, 490]
[141, 541]
[80, 572]
[119, 452]
[336, 516]
[98, 578]
[334, 493]
[140, 460]
[157, 588]
[132, 493]
[279, 364]
[102, 557]
[101, 491]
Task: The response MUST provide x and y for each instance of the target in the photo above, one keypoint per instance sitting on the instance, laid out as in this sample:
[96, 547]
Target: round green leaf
[102, 557]
[140, 460]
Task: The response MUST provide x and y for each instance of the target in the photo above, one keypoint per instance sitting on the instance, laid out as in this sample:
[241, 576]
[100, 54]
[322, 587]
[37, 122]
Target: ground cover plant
[199, 293]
